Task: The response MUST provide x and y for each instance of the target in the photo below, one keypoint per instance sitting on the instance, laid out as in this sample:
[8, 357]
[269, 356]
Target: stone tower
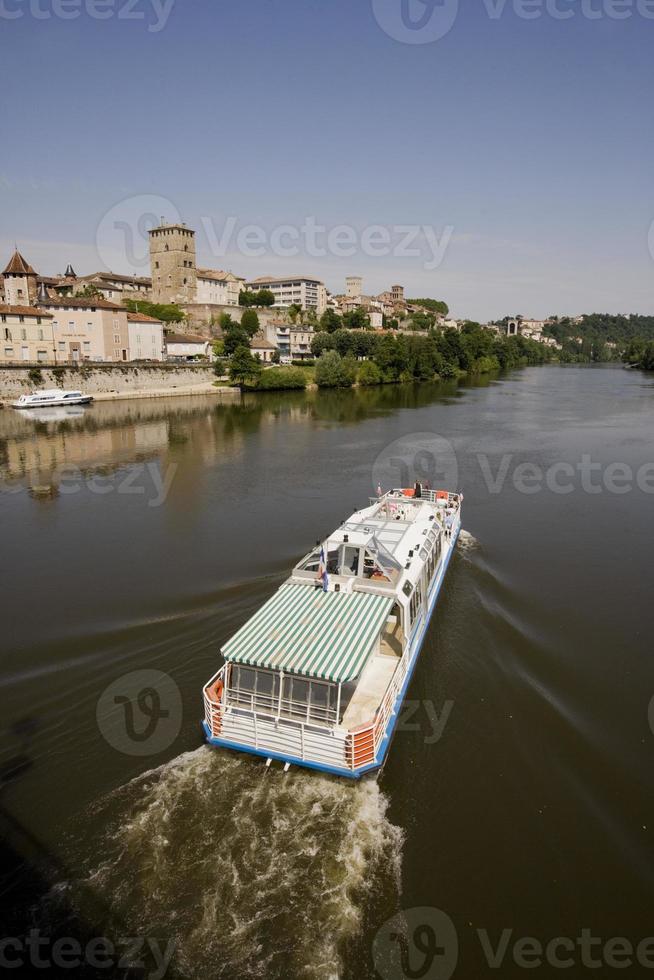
[353, 287]
[19, 281]
[172, 264]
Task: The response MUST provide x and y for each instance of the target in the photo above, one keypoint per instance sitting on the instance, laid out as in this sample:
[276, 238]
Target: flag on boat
[322, 570]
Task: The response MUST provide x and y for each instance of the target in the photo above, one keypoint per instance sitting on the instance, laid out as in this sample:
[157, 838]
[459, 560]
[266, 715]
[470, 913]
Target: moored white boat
[317, 676]
[52, 397]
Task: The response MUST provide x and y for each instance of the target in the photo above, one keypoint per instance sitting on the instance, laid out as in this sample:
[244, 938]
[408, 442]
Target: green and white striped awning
[302, 630]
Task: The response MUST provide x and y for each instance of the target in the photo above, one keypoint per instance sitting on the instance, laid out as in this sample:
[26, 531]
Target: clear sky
[517, 151]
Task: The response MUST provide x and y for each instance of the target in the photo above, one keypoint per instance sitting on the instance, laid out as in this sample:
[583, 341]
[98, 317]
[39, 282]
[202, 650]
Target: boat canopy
[302, 630]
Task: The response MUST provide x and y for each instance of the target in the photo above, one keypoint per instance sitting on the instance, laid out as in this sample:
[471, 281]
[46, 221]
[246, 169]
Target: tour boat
[46, 399]
[317, 675]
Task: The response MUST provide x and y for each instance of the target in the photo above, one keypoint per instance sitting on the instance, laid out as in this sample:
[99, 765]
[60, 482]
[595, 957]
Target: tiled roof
[184, 338]
[17, 266]
[83, 302]
[142, 318]
[260, 343]
[23, 310]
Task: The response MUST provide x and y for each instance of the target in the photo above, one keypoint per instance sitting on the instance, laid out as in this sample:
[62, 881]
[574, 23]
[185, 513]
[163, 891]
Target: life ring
[215, 692]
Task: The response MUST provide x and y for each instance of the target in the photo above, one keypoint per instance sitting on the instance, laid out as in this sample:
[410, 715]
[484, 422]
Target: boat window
[407, 588]
[311, 563]
[246, 678]
[350, 561]
[416, 604]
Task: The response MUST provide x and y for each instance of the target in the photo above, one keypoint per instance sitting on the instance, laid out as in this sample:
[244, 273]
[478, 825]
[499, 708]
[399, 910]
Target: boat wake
[466, 542]
[251, 872]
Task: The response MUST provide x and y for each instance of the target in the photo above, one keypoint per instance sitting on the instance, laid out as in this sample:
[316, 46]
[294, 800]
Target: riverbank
[107, 382]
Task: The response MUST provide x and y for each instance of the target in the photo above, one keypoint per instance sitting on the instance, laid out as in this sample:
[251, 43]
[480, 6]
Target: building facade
[215, 287]
[19, 282]
[87, 329]
[146, 338]
[26, 334]
[172, 263]
[309, 294]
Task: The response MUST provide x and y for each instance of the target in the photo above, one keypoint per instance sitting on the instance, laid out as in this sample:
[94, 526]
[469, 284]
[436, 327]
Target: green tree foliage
[282, 378]
[165, 312]
[369, 373]
[244, 369]
[433, 305]
[356, 319]
[330, 321]
[261, 297]
[234, 336]
[294, 311]
[250, 322]
[334, 371]
[91, 292]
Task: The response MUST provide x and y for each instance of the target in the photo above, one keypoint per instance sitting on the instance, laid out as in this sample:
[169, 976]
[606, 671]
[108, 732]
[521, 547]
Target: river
[138, 535]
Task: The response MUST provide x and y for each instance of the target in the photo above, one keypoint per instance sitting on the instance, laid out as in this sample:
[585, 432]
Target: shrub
[309, 362]
[35, 376]
[278, 378]
[369, 374]
[334, 371]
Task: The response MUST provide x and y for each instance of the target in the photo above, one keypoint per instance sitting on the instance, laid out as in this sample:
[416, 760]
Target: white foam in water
[466, 542]
[253, 873]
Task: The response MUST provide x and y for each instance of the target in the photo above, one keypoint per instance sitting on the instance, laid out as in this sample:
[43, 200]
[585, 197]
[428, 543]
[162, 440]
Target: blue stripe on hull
[385, 743]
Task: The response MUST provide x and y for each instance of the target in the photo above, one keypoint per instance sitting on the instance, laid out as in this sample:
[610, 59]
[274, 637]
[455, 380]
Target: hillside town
[95, 317]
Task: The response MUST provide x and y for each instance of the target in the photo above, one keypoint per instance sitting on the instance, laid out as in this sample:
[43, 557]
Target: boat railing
[431, 496]
[362, 743]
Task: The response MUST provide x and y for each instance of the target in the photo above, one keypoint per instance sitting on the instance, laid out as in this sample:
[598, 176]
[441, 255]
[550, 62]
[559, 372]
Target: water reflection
[38, 448]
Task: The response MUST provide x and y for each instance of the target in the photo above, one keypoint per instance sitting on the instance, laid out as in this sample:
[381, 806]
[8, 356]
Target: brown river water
[516, 801]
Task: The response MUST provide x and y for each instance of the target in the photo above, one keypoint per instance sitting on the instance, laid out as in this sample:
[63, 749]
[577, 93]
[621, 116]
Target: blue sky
[524, 145]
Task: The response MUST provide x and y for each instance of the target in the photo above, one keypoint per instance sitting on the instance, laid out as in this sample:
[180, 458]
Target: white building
[218, 287]
[309, 294]
[146, 338]
[353, 287]
[184, 347]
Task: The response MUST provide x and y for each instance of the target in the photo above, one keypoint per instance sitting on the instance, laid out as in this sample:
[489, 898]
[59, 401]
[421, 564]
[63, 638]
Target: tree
[321, 342]
[250, 322]
[235, 336]
[244, 369]
[369, 374]
[90, 292]
[330, 321]
[356, 319]
[265, 297]
[165, 312]
[294, 311]
[334, 371]
[434, 305]
[246, 298]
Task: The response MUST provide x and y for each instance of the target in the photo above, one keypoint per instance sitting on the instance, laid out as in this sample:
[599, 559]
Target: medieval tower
[19, 282]
[172, 264]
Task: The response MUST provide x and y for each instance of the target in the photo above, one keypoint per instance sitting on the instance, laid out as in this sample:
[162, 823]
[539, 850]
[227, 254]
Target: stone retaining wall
[99, 378]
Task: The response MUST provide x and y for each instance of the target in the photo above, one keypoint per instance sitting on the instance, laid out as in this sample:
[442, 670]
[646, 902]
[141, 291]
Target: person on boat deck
[417, 490]
[449, 521]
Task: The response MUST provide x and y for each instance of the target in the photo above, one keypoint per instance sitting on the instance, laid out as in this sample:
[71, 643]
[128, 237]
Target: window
[23, 333]
[416, 604]
[87, 346]
[116, 338]
[62, 345]
[9, 351]
[40, 336]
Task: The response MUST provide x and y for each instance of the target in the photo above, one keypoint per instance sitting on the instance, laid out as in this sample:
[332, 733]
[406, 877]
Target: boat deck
[370, 690]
